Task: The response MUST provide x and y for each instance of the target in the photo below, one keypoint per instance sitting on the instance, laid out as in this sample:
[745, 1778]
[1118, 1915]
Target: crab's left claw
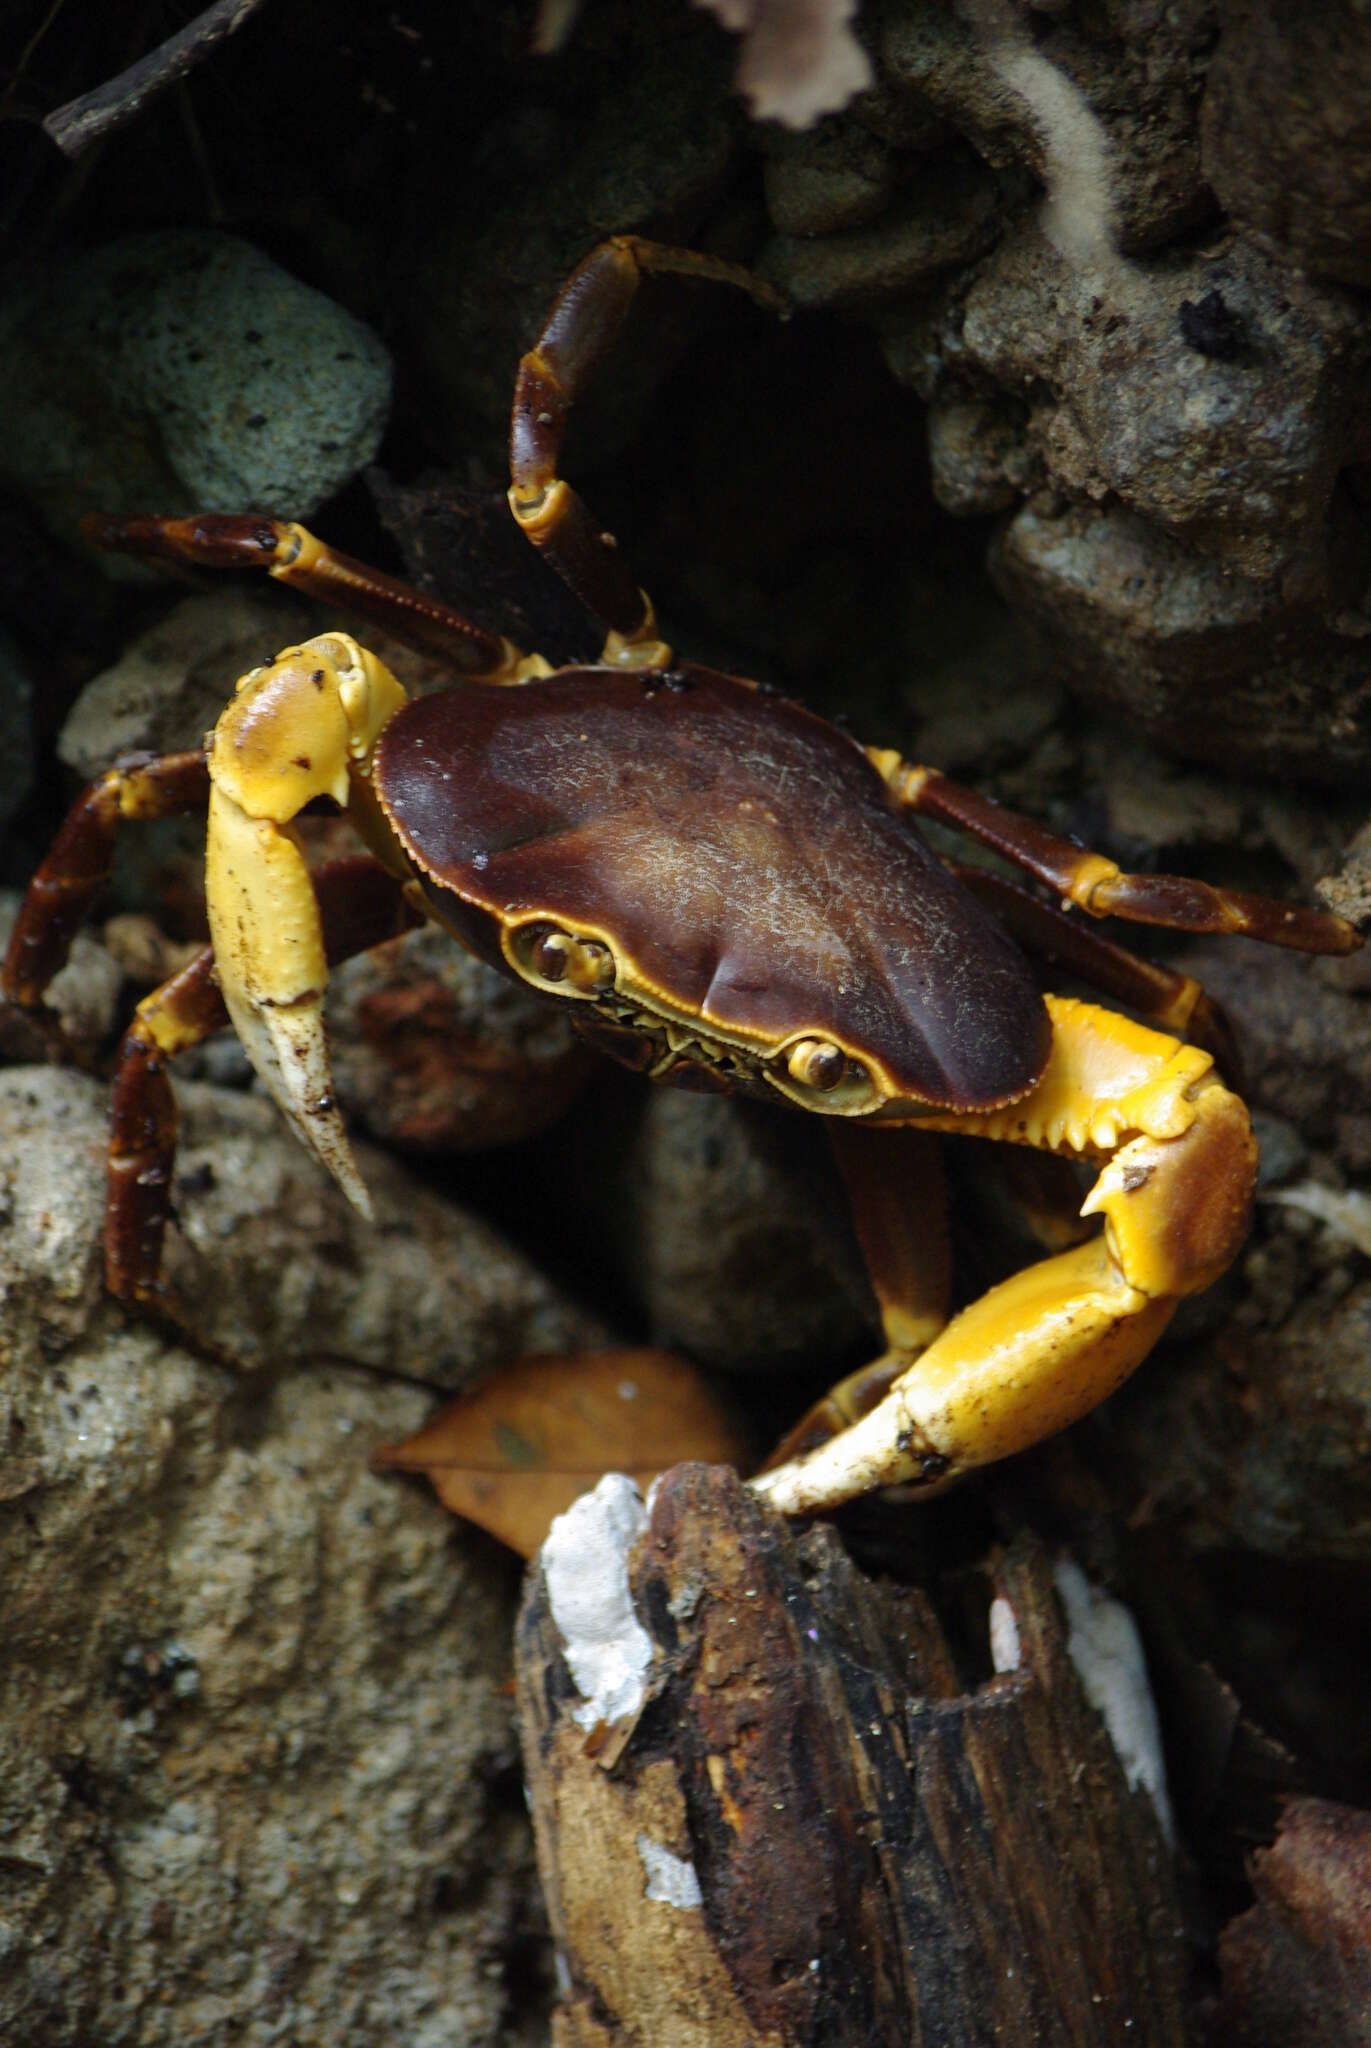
[269, 954]
[301, 728]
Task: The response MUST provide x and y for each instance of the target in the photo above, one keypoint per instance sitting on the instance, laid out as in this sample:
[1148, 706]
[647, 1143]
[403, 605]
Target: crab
[726, 892]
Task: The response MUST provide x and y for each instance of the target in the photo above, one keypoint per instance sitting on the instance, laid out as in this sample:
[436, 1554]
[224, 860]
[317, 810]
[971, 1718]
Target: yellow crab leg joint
[300, 728]
[1044, 1347]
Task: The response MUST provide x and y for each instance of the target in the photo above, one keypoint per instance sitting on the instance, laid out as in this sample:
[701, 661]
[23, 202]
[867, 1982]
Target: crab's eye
[552, 955]
[814, 1063]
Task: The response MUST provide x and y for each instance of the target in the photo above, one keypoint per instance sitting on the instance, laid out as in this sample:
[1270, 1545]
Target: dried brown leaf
[526, 1443]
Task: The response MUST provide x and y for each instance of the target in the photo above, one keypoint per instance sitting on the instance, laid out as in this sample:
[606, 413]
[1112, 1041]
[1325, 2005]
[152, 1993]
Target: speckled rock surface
[258, 1775]
[731, 1227]
[1175, 426]
[436, 1052]
[1287, 130]
[172, 682]
[182, 371]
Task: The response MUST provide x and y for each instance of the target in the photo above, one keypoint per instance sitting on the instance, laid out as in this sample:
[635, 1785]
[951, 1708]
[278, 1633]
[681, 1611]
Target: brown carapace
[729, 893]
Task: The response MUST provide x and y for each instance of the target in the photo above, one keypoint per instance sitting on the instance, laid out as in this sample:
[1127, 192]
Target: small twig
[82, 121]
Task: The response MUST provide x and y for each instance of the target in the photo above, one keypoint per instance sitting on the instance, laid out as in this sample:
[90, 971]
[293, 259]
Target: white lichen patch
[585, 1567]
[1077, 215]
[671, 1879]
[1106, 1650]
[1006, 1651]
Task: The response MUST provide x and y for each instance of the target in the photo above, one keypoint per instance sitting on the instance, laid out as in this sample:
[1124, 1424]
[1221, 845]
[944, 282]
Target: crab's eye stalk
[558, 959]
[817, 1064]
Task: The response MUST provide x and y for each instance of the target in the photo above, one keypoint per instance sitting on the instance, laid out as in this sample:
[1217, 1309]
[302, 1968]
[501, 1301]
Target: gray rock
[948, 215]
[730, 1224]
[1213, 665]
[170, 684]
[1287, 131]
[436, 1052]
[1235, 453]
[183, 371]
[256, 1760]
[84, 997]
[1130, 75]
[835, 176]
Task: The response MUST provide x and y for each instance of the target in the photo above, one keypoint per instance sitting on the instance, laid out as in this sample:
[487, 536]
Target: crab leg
[1173, 1002]
[1097, 885]
[1044, 1347]
[82, 858]
[578, 333]
[897, 1195]
[290, 553]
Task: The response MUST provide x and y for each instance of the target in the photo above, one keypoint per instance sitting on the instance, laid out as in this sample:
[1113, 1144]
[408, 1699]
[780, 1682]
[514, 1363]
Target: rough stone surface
[1234, 453]
[184, 371]
[1177, 425]
[1218, 666]
[1129, 75]
[837, 175]
[945, 218]
[730, 1225]
[171, 683]
[84, 997]
[1297, 1967]
[258, 1775]
[1287, 130]
[436, 1052]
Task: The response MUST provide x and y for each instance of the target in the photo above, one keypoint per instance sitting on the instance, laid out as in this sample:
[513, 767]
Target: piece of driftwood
[75, 126]
[798, 1827]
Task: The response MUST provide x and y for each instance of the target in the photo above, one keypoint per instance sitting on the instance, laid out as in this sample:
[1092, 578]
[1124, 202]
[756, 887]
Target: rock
[84, 997]
[1237, 454]
[1116, 87]
[729, 1223]
[1213, 665]
[183, 371]
[436, 1052]
[169, 686]
[257, 1773]
[836, 176]
[1297, 1967]
[1286, 127]
[948, 216]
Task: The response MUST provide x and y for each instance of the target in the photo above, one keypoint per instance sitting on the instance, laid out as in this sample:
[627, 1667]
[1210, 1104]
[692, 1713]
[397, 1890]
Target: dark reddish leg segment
[78, 866]
[583, 325]
[1100, 888]
[228, 540]
[1174, 1002]
[361, 906]
[897, 1194]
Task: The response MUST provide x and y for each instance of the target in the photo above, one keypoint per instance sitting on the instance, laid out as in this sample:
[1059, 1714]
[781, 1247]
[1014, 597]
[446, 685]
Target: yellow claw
[300, 728]
[1049, 1344]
